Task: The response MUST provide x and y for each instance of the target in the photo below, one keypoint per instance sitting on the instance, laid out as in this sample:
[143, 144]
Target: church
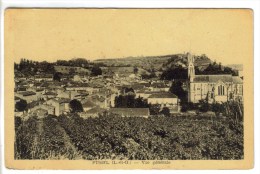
[212, 88]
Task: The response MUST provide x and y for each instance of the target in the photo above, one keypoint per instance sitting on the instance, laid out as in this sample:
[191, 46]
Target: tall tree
[96, 70]
[166, 111]
[175, 73]
[57, 76]
[135, 70]
[75, 106]
[21, 105]
[177, 89]
[154, 109]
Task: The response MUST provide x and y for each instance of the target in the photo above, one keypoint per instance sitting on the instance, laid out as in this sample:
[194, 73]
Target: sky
[224, 35]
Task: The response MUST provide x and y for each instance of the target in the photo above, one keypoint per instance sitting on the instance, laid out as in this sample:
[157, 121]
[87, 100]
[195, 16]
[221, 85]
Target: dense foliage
[29, 67]
[75, 106]
[114, 137]
[78, 62]
[20, 105]
[179, 72]
[96, 70]
[57, 76]
[215, 68]
[130, 101]
[175, 73]
[177, 89]
[43, 139]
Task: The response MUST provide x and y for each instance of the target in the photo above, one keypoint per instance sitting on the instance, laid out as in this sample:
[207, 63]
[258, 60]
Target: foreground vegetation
[114, 137]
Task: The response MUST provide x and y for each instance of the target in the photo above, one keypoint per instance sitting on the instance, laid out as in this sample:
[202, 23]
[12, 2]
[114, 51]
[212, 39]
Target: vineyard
[136, 138]
[43, 139]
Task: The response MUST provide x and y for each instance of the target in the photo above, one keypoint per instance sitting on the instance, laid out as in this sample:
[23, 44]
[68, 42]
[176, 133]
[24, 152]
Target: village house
[48, 95]
[61, 105]
[88, 104]
[80, 78]
[28, 96]
[40, 113]
[92, 113]
[43, 77]
[98, 100]
[165, 99]
[80, 87]
[79, 95]
[159, 86]
[49, 108]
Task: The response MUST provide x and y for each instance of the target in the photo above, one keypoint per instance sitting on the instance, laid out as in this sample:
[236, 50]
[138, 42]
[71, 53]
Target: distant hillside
[158, 63]
[238, 67]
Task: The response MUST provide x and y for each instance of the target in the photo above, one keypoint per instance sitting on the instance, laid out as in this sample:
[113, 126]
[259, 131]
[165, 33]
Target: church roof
[215, 78]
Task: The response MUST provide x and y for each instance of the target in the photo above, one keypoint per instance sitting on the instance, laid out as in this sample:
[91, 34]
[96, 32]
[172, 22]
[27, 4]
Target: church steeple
[191, 70]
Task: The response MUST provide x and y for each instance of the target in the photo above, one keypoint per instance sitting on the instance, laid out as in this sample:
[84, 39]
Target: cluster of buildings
[97, 94]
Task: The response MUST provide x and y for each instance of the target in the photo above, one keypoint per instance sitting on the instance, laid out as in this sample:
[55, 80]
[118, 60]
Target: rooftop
[162, 95]
[27, 93]
[49, 93]
[215, 78]
[95, 110]
[61, 100]
[88, 104]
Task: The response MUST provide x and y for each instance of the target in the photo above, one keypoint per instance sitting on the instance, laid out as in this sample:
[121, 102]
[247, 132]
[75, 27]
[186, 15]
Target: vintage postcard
[128, 88]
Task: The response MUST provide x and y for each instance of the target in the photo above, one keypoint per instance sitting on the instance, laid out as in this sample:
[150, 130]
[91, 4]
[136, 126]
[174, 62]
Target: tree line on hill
[31, 68]
[180, 72]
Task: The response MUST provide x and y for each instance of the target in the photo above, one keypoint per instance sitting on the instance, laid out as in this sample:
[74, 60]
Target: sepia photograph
[129, 87]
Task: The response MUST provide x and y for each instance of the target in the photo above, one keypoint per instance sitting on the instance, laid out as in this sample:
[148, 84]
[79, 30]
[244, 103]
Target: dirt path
[75, 153]
[37, 137]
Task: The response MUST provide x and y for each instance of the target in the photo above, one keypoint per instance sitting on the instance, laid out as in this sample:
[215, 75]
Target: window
[221, 90]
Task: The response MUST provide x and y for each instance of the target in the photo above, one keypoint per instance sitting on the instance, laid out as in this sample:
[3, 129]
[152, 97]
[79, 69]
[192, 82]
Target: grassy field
[136, 138]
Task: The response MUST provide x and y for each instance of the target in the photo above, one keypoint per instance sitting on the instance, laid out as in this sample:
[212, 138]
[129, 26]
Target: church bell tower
[191, 70]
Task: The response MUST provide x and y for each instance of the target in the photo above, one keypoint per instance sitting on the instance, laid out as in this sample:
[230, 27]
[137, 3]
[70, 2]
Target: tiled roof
[45, 84]
[88, 104]
[130, 111]
[61, 100]
[44, 76]
[16, 98]
[40, 111]
[27, 93]
[162, 95]
[75, 85]
[33, 104]
[158, 85]
[137, 86]
[215, 78]
[95, 110]
[39, 89]
[49, 93]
